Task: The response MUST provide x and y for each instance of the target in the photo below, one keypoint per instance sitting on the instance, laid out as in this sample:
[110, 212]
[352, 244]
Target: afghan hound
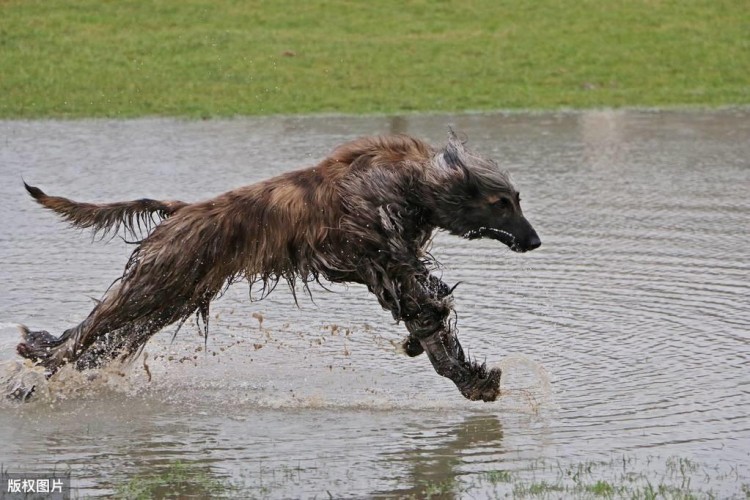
[365, 214]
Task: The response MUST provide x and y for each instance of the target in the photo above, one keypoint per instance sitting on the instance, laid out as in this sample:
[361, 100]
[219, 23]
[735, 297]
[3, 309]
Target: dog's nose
[534, 242]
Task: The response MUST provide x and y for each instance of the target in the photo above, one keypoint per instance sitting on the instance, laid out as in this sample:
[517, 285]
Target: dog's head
[475, 199]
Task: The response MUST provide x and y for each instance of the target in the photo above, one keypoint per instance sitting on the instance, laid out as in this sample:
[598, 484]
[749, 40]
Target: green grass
[206, 58]
[677, 478]
[177, 480]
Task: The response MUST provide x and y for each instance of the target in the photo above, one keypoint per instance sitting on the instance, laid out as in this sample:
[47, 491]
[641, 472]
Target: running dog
[365, 214]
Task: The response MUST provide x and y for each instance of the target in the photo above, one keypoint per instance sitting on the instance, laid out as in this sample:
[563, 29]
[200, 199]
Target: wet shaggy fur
[365, 214]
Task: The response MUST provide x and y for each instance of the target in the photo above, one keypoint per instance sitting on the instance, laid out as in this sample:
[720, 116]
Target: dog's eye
[501, 202]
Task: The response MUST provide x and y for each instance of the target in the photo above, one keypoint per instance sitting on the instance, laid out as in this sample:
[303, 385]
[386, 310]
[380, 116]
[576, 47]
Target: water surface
[625, 336]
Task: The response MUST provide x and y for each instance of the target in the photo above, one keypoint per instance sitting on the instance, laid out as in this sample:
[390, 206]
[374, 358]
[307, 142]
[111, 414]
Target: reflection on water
[625, 335]
[436, 459]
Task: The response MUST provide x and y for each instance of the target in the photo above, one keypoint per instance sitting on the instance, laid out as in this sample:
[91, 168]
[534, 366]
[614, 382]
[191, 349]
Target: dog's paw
[484, 389]
[412, 347]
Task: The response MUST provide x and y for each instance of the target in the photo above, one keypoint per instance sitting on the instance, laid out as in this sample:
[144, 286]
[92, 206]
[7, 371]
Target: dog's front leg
[429, 326]
[434, 289]
[447, 357]
[425, 303]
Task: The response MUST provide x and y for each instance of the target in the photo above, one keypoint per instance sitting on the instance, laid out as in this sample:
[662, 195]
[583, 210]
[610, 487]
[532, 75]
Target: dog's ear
[454, 156]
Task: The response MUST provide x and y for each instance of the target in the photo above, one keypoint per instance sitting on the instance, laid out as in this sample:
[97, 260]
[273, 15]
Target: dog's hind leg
[162, 284]
[97, 341]
[93, 344]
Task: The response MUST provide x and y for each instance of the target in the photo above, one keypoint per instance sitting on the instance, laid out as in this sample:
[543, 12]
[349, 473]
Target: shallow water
[626, 335]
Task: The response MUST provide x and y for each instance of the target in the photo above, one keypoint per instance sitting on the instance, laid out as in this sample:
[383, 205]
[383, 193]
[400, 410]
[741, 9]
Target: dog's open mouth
[496, 234]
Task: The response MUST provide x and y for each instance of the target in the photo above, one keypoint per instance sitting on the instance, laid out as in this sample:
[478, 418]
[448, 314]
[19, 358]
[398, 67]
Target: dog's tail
[134, 217]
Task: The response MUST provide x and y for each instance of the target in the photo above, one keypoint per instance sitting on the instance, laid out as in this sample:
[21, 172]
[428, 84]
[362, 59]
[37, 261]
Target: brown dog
[364, 215]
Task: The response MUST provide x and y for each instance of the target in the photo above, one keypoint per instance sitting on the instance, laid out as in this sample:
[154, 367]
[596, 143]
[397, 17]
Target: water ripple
[625, 333]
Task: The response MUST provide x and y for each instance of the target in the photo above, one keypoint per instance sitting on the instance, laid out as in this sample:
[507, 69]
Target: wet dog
[365, 214]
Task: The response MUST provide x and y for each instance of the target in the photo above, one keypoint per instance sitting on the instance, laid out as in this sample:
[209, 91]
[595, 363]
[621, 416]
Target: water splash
[525, 384]
[18, 379]
[21, 380]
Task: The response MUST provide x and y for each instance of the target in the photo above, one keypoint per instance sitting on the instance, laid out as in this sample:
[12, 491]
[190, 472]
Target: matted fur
[364, 214]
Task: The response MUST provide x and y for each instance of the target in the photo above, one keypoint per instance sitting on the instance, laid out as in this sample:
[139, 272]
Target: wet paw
[484, 389]
[412, 347]
[41, 337]
[42, 348]
[24, 350]
[35, 345]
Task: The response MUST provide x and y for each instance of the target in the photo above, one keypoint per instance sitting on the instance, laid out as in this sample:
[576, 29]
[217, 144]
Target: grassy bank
[674, 478]
[221, 57]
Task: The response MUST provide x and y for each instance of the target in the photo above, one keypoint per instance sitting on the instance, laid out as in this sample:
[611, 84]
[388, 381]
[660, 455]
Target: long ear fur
[453, 157]
[134, 217]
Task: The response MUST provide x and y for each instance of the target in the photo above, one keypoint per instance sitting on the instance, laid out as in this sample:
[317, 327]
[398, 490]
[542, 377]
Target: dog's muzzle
[530, 242]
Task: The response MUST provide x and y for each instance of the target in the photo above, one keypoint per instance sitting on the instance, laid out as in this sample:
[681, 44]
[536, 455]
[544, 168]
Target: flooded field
[625, 339]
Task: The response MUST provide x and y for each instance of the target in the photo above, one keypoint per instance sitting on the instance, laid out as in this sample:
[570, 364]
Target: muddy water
[625, 336]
